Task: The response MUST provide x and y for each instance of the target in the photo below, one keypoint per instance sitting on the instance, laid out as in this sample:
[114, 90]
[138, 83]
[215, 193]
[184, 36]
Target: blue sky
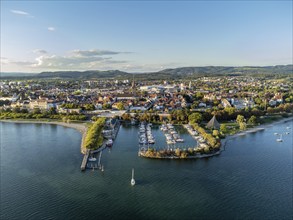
[143, 36]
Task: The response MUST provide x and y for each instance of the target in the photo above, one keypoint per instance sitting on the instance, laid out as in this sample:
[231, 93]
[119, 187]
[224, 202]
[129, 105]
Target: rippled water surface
[41, 178]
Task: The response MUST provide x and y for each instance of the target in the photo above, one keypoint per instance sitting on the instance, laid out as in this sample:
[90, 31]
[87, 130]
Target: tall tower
[133, 85]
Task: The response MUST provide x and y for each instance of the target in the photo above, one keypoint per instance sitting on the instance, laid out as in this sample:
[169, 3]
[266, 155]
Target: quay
[85, 159]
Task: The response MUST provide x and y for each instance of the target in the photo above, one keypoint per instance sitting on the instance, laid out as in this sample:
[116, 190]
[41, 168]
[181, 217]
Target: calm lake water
[41, 178]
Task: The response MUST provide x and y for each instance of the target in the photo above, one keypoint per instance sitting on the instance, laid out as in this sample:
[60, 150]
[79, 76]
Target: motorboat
[109, 143]
[179, 140]
[132, 182]
[92, 159]
[279, 139]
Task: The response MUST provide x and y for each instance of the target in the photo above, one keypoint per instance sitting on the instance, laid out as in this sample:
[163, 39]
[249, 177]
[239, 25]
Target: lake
[41, 177]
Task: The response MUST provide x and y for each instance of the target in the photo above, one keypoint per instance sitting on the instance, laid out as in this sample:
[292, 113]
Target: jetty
[85, 159]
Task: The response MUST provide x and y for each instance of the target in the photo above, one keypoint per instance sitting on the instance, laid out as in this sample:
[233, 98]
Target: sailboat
[132, 182]
[280, 138]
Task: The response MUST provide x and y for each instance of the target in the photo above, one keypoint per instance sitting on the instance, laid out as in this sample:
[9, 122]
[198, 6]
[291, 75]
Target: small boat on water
[279, 139]
[109, 143]
[275, 133]
[287, 133]
[132, 182]
[92, 159]
[288, 128]
[180, 140]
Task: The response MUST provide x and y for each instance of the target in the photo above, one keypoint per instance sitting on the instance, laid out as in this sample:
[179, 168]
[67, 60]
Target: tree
[36, 111]
[230, 110]
[52, 111]
[126, 117]
[252, 120]
[216, 133]
[223, 128]
[242, 126]
[94, 118]
[89, 107]
[195, 117]
[178, 152]
[199, 96]
[106, 106]
[120, 106]
[240, 119]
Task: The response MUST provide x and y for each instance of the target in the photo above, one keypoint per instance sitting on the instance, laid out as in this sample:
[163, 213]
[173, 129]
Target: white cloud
[81, 60]
[4, 60]
[72, 62]
[18, 12]
[40, 51]
[51, 29]
[89, 53]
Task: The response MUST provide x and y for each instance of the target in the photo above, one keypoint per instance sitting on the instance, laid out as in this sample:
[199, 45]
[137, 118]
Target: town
[225, 97]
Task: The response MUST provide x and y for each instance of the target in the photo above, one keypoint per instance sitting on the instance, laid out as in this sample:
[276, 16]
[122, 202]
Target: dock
[84, 161]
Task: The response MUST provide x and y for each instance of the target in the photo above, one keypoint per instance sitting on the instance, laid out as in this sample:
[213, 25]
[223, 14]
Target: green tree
[106, 106]
[240, 119]
[242, 126]
[223, 128]
[126, 117]
[89, 107]
[195, 117]
[252, 120]
[216, 133]
[177, 152]
[120, 106]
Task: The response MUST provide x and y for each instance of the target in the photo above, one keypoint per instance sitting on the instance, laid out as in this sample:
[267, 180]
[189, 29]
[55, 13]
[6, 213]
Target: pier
[85, 159]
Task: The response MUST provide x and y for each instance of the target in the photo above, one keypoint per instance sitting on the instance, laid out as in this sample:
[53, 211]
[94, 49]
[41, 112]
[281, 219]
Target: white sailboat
[280, 138]
[132, 182]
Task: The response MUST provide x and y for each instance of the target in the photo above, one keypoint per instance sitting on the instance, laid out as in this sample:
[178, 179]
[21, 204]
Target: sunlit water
[41, 178]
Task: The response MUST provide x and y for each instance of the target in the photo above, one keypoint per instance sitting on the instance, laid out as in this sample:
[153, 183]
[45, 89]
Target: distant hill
[222, 70]
[15, 74]
[182, 72]
[84, 74]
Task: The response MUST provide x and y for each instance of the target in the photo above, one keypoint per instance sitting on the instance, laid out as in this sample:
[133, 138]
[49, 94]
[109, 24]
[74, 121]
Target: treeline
[213, 142]
[42, 115]
[177, 153]
[94, 138]
[184, 116]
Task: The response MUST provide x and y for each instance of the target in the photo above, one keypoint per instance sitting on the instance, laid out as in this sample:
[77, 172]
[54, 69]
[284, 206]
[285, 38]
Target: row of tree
[94, 138]
[178, 152]
[213, 142]
[42, 115]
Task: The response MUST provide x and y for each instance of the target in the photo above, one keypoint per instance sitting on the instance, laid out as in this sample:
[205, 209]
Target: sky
[143, 36]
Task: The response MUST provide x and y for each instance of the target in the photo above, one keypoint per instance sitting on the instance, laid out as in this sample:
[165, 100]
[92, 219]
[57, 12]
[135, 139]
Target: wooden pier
[85, 159]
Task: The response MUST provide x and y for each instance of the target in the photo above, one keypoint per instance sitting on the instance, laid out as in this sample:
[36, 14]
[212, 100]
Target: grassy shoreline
[258, 127]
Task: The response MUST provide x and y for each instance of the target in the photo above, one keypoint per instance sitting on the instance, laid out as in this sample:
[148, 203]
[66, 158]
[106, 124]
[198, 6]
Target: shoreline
[252, 130]
[141, 154]
[82, 128]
